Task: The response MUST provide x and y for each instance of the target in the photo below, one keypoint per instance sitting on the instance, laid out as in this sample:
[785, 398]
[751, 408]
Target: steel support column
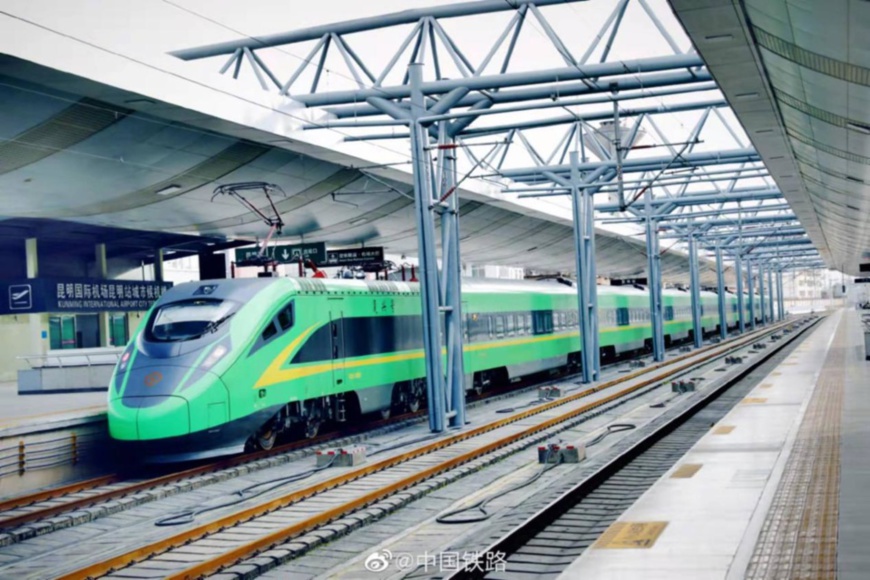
[770, 293]
[428, 259]
[584, 253]
[779, 295]
[720, 289]
[695, 283]
[741, 313]
[451, 275]
[750, 290]
[762, 306]
[655, 279]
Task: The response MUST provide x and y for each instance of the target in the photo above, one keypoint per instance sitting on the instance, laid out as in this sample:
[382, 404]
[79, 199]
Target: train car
[218, 366]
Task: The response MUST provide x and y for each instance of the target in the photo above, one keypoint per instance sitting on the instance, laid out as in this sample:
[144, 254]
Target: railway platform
[775, 489]
[17, 410]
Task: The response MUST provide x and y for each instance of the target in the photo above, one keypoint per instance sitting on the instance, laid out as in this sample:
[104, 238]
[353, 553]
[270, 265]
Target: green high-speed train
[218, 366]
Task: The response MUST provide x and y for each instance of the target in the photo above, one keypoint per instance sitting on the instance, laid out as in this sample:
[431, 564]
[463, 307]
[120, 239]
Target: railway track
[550, 540]
[203, 549]
[65, 499]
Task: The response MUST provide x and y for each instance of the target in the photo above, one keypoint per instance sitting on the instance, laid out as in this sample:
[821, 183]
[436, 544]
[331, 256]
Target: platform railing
[68, 449]
[72, 359]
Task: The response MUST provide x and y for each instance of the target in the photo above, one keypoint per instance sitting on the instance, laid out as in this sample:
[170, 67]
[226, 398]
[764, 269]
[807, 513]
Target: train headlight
[125, 358]
[214, 356]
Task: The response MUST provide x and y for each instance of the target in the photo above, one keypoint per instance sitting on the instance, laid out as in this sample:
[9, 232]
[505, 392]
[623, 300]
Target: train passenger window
[489, 325]
[669, 312]
[269, 331]
[622, 317]
[499, 326]
[563, 318]
[511, 325]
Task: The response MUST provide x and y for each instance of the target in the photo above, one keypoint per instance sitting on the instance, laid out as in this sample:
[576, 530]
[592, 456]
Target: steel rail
[53, 493]
[208, 566]
[19, 502]
[538, 522]
[84, 502]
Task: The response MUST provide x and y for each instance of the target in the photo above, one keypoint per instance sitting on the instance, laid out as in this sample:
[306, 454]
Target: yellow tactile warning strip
[723, 430]
[686, 470]
[799, 536]
[765, 385]
[754, 400]
[631, 535]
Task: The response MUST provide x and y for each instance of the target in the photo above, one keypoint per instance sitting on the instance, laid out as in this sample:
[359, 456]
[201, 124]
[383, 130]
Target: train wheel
[314, 418]
[312, 427]
[266, 438]
[415, 395]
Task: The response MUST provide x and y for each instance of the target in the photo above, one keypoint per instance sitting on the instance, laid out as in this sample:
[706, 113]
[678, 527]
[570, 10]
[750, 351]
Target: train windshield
[188, 320]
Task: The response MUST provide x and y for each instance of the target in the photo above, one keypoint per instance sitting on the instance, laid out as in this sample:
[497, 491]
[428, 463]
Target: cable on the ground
[188, 516]
[480, 506]
[611, 429]
[449, 517]
[251, 492]
[527, 405]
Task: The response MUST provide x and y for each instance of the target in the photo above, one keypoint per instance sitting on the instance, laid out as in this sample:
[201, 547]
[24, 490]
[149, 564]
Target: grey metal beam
[596, 116]
[695, 81]
[695, 288]
[360, 25]
[507, 80]
[637, 165]
[733, 222]
[720, 290]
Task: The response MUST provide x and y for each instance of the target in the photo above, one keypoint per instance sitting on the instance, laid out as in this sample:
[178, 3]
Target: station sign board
[287, 253]
[317, 253]
[628, 281]
[78, 295]
[354, 257]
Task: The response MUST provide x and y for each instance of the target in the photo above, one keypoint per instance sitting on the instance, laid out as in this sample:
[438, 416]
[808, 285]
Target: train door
[336, 333]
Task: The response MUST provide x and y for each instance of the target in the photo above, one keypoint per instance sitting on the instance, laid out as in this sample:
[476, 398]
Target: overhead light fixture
[168, 189]
[745, 96]
[861, 128]
[719, 37]
[357, 221]
[139, 102]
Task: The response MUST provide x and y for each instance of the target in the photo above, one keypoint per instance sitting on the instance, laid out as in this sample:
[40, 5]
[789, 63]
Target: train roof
[470, 285]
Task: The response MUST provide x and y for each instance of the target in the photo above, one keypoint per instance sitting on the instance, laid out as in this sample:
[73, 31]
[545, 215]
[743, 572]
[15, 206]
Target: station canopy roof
[796, 75]
[100, 138]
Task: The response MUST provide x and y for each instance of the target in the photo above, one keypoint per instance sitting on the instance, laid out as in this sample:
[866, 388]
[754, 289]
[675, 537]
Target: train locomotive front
[170, 397]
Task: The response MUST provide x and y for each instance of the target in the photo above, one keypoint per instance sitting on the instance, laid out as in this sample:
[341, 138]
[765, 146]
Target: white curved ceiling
[797, 74]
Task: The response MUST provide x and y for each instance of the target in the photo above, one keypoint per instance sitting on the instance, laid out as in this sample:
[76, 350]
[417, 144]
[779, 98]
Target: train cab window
[188, 320]
[269, 331]
[285, 317]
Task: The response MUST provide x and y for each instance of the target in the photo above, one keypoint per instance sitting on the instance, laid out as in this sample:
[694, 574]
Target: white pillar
[102, 269]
